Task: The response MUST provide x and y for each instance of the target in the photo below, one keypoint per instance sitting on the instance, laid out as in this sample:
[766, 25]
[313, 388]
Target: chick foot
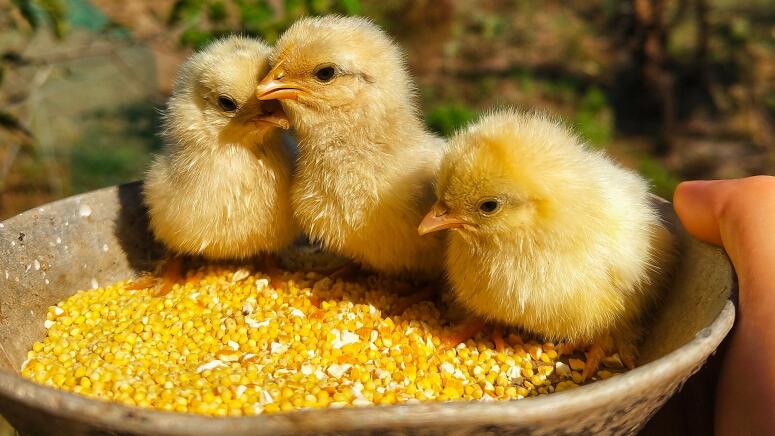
[347, 272]
[603, 349]
[628, 352]
[425, 294]
[270, 266]
[171, 273]
[594, 354]
[566, 348]
[145, 281]
[463, 333]
[497, 338]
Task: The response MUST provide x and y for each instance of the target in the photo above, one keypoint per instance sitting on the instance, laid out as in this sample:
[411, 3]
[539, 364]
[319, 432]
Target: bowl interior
[49, 253]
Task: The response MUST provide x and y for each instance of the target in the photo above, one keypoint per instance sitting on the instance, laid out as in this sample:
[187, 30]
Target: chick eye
[325, 74]
[489, 206]
[226, 103]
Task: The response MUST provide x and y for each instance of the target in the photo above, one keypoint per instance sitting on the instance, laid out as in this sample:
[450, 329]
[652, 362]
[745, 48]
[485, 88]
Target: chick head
[331, 66]
[214, 98]
[506, 174]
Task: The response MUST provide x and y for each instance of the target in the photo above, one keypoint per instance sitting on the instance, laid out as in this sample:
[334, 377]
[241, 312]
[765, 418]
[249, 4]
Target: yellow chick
[221, 188]
[549, 235]
[366, 161]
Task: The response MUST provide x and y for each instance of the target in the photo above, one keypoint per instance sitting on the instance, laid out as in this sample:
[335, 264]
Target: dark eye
[489, 206]
[325, 74]
[226, 103]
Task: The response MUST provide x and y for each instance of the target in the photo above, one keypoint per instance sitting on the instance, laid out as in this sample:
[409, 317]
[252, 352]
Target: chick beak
[275, 87]
[272, 113]
[439, 219]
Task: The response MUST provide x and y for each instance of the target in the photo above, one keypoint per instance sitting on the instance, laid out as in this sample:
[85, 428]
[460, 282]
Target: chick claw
[145, 281]
[426, 294]
[629, 355]
[464, 333]
[345, 272]
[159, 286]
[271, 268]
[171, 273]
[565, 348]
[594, 354]
[497, 338]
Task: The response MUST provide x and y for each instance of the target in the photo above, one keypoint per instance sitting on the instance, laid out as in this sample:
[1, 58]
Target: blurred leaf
[350, 7]
[741, 28]
[526, 81]
[27, 10]
[594, 118]
[257, 17]
[54, 10]
[97, 159]
[82, 14]
[217, 11]
[195, 38]
[185, 11]
[662, 180]
[446, 119]
[295, 9]
[769, 100]
[319, 7]
[10, 122]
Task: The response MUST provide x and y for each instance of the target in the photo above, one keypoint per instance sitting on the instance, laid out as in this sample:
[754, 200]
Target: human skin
[740, 215]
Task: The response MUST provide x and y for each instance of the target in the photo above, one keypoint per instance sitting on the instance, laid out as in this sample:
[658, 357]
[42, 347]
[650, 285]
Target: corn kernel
[326, 344]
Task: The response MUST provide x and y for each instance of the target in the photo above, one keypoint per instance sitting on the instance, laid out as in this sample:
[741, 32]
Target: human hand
[740, 215]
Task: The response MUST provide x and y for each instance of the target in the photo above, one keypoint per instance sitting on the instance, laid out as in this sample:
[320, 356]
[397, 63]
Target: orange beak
[272, 113]
[276, 120]
[439, 219]
[274, 86]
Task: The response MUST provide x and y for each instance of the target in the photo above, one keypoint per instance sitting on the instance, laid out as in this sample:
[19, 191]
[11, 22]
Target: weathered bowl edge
[533, 411]
[528, 411]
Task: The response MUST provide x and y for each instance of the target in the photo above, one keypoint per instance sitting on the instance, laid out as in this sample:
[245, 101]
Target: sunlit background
[677, 89]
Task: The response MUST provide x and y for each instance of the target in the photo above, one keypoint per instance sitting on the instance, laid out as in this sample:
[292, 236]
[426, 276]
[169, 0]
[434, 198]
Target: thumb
[738, 213]
[697, 205]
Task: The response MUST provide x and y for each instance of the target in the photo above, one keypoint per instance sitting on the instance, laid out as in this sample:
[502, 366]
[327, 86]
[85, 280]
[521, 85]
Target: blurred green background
[674, 88]
[677, 89]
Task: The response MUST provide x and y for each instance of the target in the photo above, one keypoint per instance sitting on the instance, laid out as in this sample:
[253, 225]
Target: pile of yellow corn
[226, 342]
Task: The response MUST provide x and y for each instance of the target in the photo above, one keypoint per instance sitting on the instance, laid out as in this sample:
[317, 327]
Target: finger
[696, 204]
[741, 215]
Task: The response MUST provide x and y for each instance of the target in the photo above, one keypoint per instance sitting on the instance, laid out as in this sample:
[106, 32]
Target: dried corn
[228, 343]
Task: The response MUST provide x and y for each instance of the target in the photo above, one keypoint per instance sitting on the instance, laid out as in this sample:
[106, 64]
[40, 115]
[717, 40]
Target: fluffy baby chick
[221, 188]
[366, 163]
[549, 235]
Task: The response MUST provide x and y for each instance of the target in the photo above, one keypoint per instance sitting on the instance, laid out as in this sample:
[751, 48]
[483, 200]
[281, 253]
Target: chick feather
[549, 235]
[366, 161]
[221, 188]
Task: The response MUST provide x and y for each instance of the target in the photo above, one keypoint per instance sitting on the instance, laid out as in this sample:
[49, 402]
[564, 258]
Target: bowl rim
[528, 411]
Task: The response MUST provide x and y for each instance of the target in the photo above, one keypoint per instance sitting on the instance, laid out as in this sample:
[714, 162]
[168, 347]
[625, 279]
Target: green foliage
[217, 12]
[115, 145]
[27, 10]
[103, 164]
[526, 81]
[10, 122]
[36, 11]
[81, 13]
[769, 100]
[662, 181]
[351, 7]
[205, 20]
[448, 118]
[594, 118]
